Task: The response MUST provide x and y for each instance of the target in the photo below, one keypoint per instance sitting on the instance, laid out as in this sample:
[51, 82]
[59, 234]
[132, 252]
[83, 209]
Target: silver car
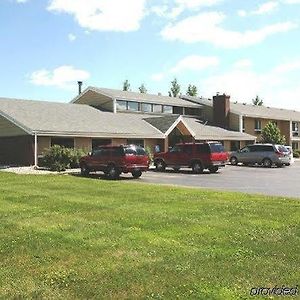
[263, 154]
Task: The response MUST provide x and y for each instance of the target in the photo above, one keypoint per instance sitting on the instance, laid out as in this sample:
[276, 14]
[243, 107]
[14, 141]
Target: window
[245, 150]
[176, 149]
[121, 105]
[234, 145]
[192, 111]
[157, 108]
[216, 148]
[147, 107]
[295, 145]
[167, 109]
[135, 142]
[295, 128]
[100, 142]
[257, 125]
[178, 110]
[64, 142]
[133, 106]
[203, 148]
[243, 124]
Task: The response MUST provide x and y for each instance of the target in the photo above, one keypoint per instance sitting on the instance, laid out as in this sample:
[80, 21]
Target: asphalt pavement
[273, 181]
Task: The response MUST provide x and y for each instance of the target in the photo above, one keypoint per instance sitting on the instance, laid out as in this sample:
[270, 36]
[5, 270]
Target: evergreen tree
[192, 90]
[143, 89]
[126, 85]
[257, 101]
[175, 88]
[271, 134]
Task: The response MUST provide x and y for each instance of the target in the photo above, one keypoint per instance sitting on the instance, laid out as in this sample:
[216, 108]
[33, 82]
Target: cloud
[188, 63]
[291, 1]
[266, 7]
[157, 77]
[22, 1]
[61, 77]
[103, 15]
[189, 30]
[195, 63]
[243, 64]
[275, 86]
[179, 6]
[72, 37]
[262, 9]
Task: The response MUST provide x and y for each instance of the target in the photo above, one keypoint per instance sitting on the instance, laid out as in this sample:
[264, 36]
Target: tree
[126, 85]
[257, 101]
[192, 90]
[271, 134]
[143, 89]
[175, 88]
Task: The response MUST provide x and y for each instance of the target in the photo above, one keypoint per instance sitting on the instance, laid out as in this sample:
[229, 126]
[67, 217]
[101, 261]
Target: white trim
[177, 121]
[93, 89]
[35, 150]
[12, 120]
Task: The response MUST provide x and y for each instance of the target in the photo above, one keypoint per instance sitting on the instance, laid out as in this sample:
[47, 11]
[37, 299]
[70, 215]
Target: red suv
[113, 160]
[198, 156]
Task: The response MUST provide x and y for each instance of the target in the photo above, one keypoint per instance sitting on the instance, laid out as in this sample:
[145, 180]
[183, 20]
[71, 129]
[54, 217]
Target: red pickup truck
[198, 156]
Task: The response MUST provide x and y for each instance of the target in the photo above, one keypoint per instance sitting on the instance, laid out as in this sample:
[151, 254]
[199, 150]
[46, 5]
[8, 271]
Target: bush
[149, 153]
[296, 153]
[59, 158]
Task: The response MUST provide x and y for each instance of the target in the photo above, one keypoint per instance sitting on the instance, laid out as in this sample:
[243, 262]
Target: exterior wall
[44, 143]
[8, 129]
[226, 145]
[17, 150]
[234, 122]
[249, 124]
[151, 143]
[83, 143]
[207, 113]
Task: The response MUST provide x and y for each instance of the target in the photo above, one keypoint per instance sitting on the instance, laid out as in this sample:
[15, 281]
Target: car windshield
[281, 148]
[216, 148]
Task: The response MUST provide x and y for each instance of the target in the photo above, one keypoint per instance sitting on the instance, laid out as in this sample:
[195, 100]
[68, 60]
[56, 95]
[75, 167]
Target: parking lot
[275, 181]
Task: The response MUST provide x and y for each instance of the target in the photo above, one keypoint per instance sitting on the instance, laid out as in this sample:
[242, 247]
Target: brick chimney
[221, 108]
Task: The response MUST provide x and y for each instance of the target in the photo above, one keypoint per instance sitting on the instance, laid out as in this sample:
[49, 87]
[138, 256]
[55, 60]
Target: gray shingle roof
[255, 111]
[162, 123]
[145, 98]
[207, 132]
[74, 119]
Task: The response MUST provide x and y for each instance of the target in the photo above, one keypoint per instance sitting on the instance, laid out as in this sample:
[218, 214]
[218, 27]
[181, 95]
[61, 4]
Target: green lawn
[66, 237]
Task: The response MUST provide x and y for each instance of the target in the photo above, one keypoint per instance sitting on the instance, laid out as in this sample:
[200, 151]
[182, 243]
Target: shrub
[149, 153]
[59, 158]
[296, 153]
[271, 134]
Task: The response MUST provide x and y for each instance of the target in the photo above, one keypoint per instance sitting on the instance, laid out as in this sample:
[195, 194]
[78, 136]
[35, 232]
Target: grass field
[65, 237]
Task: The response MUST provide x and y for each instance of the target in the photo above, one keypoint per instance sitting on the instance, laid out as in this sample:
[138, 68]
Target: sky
[241, 48]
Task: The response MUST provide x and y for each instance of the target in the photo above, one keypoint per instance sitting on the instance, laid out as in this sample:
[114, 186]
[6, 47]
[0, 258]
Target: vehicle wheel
[213, 169]
[85, 171]
[176, 169]
[112, 172]
[137, 174]
[160, 165]
[233, 161]
[267, 163]
[197, 167]
[246, 164]
[288, 164]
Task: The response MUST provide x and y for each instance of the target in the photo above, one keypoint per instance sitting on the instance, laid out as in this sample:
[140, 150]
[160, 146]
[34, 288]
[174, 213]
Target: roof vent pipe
[79, 87]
